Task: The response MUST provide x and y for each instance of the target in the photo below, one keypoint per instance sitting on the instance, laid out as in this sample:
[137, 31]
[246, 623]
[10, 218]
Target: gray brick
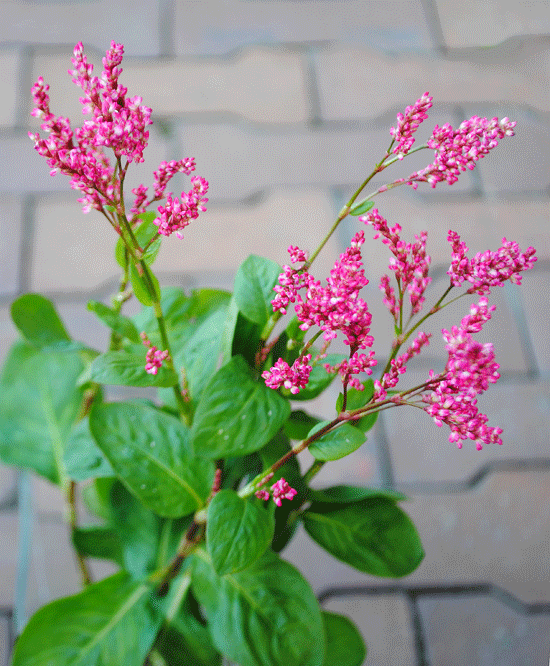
[258, 84]
[384, 623]
[359, 82]
[10, 240]
[217, 28]
[522, 164]
[239, 162]
[534, 295]
[496, 532]
[481, 23]
[9, 66]
[226, 234]
[92, 23]
[5, 648]
[421, 451]
[7, 484]
[491, 634]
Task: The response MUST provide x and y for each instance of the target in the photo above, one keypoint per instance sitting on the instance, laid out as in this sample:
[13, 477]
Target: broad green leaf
[299, 424]
[362, 208]
[336, 443]
[122, 368]
[246, 338]
[236, 414]
[83, 459]
[143, 234]
[38, 407]
[238, 531]
[254, 283]
[36, 318]
[120, 324]
[373, 535]
[149, 450]
[319, 378]
[344, 644]
[100, 542]
[141, 288]
[110, 623]
[239, 470]
[266, 615]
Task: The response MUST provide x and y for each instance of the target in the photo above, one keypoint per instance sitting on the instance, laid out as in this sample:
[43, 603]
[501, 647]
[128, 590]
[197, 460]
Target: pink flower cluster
[408, 123]
[470, 368]
[117, 122]
[488, 269]
[458, 150]
[154, 358]
[281, 490]
[336, 307]
[390, 379]
[175, 215]
[410, 264]
[293, 377]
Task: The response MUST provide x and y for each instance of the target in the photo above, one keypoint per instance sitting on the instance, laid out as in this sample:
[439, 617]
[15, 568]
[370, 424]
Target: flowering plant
[200, 491]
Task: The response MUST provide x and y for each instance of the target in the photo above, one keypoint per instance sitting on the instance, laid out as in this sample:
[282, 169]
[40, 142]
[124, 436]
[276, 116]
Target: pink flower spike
[282, 490]
[154, 358]
[262, 494]
[292, 378]
[408, 123]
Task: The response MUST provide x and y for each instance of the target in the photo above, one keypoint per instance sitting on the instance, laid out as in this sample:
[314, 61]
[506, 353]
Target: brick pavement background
[285, 104]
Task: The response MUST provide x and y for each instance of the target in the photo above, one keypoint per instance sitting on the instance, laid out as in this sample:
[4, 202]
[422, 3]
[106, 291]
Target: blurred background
[286, 106]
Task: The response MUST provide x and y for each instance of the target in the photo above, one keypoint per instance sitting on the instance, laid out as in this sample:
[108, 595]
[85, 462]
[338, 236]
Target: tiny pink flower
[154, 357]
[282, 490]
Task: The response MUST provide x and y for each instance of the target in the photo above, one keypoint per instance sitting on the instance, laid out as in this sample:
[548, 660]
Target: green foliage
[362, 208]
[254, 284]
[40, 403]
[238, 531]
[124, 326]
[37, 320]
[336, 443]
[266, 615]
[82, 458]
[124, 368]
[344, 644]
[149, 450]
[371, 534]
[111, 623]
[236, 415]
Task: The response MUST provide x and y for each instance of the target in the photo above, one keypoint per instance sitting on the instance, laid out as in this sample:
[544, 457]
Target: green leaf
[319, 378]
[120, 324]
[110, 623]
[83, 459]
[336, 443]
[238, 531]
[266, 615]
[362, 208]
[100, 542]
[36, 318]
[97, 497]
[254, 283]
[299, 424]
[149, 450]
[38, 407]
[143, 234]
[236, 414]
[344, 644]
[139, 285]
[373, 535]
[246, 339]
[122, 368]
